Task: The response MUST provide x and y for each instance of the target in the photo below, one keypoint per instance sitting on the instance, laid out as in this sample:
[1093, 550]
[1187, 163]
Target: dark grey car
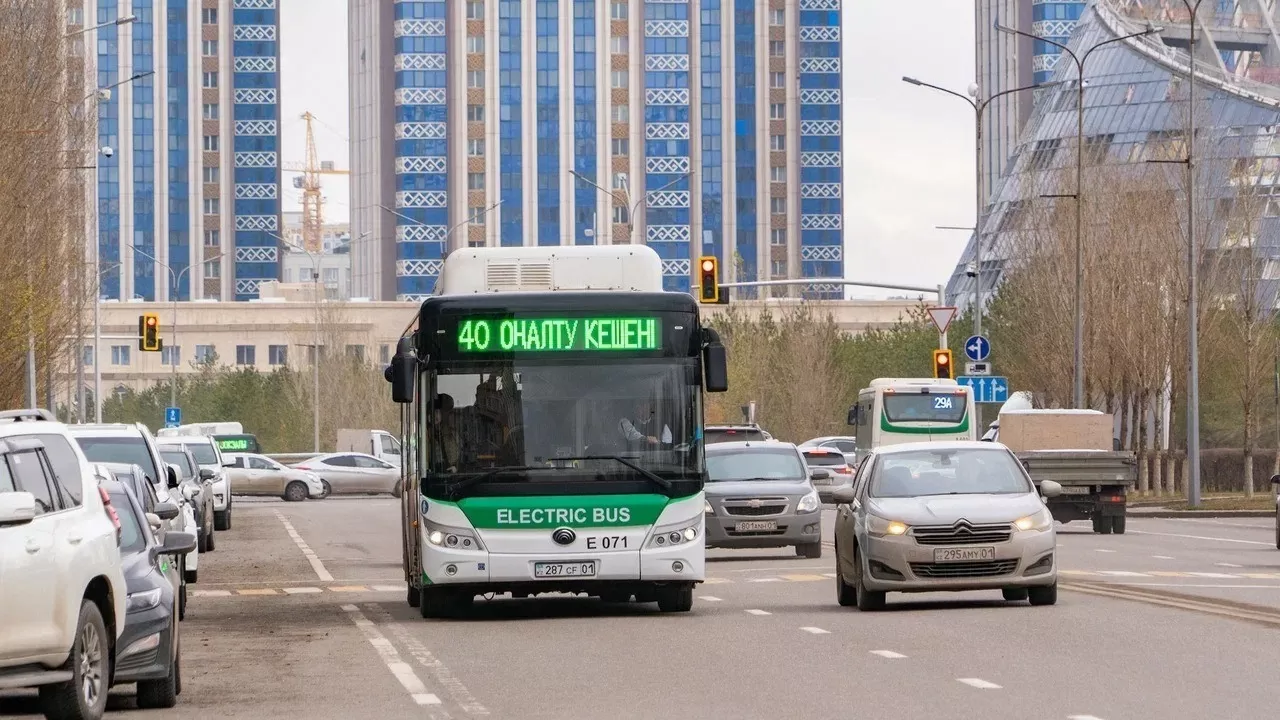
[148, 652]
[760, 495]
[133, 477]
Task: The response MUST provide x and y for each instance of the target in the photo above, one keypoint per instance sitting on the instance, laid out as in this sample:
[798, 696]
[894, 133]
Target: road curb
[1200, 513]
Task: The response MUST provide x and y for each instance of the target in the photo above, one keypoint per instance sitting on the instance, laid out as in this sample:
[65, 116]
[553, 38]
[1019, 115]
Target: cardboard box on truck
[1030, 430]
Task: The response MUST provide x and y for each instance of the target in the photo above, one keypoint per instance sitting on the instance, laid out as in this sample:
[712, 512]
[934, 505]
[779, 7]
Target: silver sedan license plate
[757, 525]
[585, 568]
[965, 554]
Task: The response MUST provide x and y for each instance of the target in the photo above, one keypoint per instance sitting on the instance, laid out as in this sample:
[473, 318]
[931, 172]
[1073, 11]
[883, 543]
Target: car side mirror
[165, 510]
[819, 474]
[844, 496]
[175, 543]
[207, 474]
[17, 508]
[172, 472]
[1050, 489]
[1275, 479]
[154, 521]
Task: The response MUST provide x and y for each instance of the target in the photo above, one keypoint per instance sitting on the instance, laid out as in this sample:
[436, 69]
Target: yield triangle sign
[941, 317]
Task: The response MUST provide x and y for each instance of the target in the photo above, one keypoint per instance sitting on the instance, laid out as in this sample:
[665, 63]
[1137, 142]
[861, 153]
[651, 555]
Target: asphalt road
[300, 613]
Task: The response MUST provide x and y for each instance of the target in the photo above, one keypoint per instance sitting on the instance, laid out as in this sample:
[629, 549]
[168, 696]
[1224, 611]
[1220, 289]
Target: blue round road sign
[977, 348]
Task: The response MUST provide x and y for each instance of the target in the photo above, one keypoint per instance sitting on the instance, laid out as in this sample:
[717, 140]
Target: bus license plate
[564, 569]
[964, 554]
[757, 525]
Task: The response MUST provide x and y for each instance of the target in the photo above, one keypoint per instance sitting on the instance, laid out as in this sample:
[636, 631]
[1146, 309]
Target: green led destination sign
[233, 444]
[599, 334]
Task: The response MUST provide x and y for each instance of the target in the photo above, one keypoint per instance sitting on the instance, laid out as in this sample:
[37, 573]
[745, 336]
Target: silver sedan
[353, 473]
[944, 516]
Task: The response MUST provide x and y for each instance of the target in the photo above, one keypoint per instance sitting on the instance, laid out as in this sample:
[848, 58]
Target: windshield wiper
[452, 489]
[658, 480]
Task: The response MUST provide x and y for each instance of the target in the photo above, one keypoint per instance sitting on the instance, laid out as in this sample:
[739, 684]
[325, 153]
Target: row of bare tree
[44, 136]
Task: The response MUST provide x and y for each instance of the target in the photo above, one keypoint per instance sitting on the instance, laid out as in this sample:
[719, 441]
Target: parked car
[169, 514]
[196, 485]
[252, 474]
[206, 452]
[944, 516]
[840, 474]
[133, 443]
[759, 495]
[843, 443]
[348, 473]
[149, 650]
[63, 603]
[734, 433]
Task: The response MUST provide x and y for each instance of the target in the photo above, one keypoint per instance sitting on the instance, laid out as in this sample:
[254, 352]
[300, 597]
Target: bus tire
[414, 597]
[440, 603]
[675, 598]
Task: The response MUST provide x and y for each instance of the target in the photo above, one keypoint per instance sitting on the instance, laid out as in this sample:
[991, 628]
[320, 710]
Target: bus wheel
[675, 598]
[439, 603]
[414, 597]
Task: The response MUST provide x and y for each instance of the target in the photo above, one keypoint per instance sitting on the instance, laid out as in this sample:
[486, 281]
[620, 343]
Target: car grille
[755, 507]
[963, 534]
[980, 568]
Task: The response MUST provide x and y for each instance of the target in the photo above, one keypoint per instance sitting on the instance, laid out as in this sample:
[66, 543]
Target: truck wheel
[84, 696]
[1102, 524]
[1117, 524]
[675, 598]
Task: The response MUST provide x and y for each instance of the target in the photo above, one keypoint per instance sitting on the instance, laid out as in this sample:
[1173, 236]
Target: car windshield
[824, 458]
[179, 458]
[755, 464]
[131, 538]
[550, 417]
[125, 450]
[203, 454]
[948, 472]
[924, 408]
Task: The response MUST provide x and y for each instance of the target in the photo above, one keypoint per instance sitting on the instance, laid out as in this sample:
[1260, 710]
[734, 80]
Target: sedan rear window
[824, 458]
[722, 435]
[755, 464]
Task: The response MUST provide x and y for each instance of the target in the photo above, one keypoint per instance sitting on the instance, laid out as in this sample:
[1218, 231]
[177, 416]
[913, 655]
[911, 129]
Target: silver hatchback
[944, 516]
[760, 495]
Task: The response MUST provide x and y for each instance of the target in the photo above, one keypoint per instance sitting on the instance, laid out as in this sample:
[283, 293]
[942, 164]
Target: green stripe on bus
[553, 511]
[887, 426]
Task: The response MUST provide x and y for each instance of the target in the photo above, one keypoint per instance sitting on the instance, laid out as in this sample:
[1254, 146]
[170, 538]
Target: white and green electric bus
[521, 381]
[903, 410]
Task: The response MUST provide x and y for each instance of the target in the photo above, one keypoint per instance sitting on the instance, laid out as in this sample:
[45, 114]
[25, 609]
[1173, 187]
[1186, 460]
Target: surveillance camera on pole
[104, 95]
[107, 151]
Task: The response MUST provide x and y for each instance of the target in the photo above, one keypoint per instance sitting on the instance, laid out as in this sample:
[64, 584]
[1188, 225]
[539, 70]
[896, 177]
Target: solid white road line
[1226, 576]
[1165, 557]
[391, 658]
[709, 598]
[1083, 717]
[1123, 573]
[816, 631]
[1200, 537]
[443, 676]
[888, 654]
[1231, 565]
[1103, 551]
[758, 612]
[978, 683]
[306, 550]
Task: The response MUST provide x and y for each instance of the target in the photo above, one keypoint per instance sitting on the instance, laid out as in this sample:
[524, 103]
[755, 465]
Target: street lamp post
[631, 214]
[316, 259]
[1078, 395]
[978, 107]
[173, 337]
[125, 20]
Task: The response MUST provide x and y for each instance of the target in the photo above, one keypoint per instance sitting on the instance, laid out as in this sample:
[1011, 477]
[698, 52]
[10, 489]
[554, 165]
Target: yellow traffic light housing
[149, 333]
[708, 279]
[942, 367]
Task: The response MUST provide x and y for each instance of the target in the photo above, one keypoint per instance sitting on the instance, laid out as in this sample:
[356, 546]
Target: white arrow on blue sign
[986, 389]
[977, 348]
[172, 417]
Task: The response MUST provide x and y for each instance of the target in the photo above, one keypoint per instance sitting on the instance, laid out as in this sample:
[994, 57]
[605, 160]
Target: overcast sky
[908, 151]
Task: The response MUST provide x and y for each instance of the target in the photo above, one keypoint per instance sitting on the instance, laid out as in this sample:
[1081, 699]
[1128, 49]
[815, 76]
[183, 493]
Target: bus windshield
[924, 408]
[535, 416]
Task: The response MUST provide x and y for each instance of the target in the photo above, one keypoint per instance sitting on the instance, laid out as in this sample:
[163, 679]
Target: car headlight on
[706, 508]
[452, 538]
[880, 527]
[1040, 521]
[682, 534]
[809, 503]
[140, 601]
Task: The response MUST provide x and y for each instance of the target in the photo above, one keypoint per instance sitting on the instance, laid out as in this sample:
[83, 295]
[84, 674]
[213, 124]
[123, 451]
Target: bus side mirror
[715, 373]
[403, 372]
[852, 418]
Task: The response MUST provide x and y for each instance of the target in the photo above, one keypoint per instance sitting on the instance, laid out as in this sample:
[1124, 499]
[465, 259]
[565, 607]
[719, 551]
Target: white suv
[207, 455]
[64, 593]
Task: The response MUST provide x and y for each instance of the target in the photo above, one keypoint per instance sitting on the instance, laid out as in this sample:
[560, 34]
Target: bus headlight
[681, 534]
[706, 508]
[809, 503]
[452, 538]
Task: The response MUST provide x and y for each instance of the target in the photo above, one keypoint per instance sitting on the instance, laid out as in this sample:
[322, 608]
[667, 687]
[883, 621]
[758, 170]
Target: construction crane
[309, 184]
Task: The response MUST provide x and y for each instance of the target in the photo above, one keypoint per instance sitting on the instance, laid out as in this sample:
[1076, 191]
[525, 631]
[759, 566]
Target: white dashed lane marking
[758, 612]
[888, 654]
[978, 683]
[1083, 717]
[709, 598]
[1165, 557]
[765, 579]
[307, 552]
[302, 590]
[453, 688]
[816, 631]
[1103, 551]
[211, 593]
[1230, 565]
[391, 658]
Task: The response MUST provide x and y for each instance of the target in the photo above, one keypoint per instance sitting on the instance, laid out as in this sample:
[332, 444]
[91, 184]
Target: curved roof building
[1135, 110]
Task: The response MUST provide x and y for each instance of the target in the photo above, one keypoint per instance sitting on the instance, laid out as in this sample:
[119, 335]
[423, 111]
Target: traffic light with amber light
[149, 333]
[708, 280]
[942, 365]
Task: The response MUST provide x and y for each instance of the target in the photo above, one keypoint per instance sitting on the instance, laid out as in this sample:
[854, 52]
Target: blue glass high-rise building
[693, 126]
[192, 181]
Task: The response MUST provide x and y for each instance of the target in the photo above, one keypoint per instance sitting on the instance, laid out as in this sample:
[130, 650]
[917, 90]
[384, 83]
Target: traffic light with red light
[708, 280]
[149, 333]
[942, 365]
